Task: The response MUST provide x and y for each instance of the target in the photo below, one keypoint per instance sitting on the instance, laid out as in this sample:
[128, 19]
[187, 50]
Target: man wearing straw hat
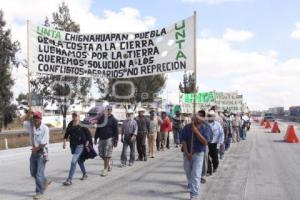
[128, 138]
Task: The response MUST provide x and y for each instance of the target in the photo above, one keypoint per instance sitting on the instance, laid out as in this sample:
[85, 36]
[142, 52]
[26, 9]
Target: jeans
[37, 171]
[193, 170]
[176, 136]
[131, 145]
[243, 133]
[76, 159]
[227, 142]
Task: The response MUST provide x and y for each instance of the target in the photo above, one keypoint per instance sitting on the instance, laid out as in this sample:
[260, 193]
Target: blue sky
[243, 45]
[270, 20]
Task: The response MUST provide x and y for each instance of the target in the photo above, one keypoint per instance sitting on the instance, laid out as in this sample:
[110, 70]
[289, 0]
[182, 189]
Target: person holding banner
[39, 137]
[194, 138]
[108, 134]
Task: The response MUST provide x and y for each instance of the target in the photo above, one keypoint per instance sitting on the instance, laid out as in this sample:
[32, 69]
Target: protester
[177, 126]
[128, 138]
[79, 143]
[214, 145]
[153, 130]
[194, 138]
[227, 130]
[205, 124]
[170, 130]
[245, 123]
[107, 131]
[227, 133]
[236, 124]
[164, 129]
[39, 137]
[143, 130]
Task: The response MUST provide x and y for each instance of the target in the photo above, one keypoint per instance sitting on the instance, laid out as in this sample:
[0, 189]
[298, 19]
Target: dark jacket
[143, 124]
[76, 136]
[90, 152]
[107, 128]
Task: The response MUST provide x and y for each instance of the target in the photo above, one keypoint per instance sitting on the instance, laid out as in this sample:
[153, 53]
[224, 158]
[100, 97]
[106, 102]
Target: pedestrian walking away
[108, 134]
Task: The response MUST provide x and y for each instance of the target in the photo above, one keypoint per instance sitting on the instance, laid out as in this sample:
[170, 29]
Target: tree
[188, 85]
[145, 89]
[22, 97]
[8, 50]
[67, 90]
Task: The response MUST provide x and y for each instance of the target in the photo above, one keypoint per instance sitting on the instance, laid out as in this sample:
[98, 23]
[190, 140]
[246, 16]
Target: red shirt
[165, 125]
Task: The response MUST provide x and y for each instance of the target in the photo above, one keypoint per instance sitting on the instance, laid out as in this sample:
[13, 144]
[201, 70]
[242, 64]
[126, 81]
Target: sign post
[195, 73]
[29, 63]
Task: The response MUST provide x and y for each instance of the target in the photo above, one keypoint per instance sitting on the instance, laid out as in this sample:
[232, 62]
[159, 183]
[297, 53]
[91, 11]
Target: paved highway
[260, 168]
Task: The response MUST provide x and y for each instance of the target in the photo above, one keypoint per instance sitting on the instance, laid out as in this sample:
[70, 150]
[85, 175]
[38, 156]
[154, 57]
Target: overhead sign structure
[114, 55]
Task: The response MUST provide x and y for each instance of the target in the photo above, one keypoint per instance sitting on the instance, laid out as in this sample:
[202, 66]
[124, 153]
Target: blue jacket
[186, 136]
[107, 129]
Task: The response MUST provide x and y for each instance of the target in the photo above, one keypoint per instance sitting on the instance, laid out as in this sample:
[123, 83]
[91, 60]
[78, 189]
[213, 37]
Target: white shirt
[218, 132]
[41, 135]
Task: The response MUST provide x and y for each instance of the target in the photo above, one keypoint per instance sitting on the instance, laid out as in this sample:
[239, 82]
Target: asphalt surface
[261, 168]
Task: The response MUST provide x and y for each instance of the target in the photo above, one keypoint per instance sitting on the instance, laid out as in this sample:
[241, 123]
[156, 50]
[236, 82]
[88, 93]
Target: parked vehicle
[93, 115]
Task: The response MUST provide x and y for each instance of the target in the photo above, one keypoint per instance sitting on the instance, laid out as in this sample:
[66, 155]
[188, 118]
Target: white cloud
[214, 1]
[237, 35]
[296, 33]
[260, 77]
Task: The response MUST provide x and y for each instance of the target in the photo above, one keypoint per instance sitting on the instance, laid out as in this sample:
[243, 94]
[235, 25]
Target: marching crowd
[203, 140]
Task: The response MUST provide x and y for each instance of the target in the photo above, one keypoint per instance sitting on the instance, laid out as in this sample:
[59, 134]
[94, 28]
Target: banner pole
[29, 63]
[195, 61]
[195, 73]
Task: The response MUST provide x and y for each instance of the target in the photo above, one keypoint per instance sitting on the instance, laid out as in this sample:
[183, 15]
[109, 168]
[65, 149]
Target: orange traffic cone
[290, 135]
[275, 128]
[262, 122]
[268, 125]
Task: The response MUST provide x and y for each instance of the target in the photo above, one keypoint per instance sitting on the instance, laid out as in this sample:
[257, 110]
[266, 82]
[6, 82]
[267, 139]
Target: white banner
[115, 55]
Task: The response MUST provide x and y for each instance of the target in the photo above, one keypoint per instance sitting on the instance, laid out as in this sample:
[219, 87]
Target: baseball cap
[37, 114]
